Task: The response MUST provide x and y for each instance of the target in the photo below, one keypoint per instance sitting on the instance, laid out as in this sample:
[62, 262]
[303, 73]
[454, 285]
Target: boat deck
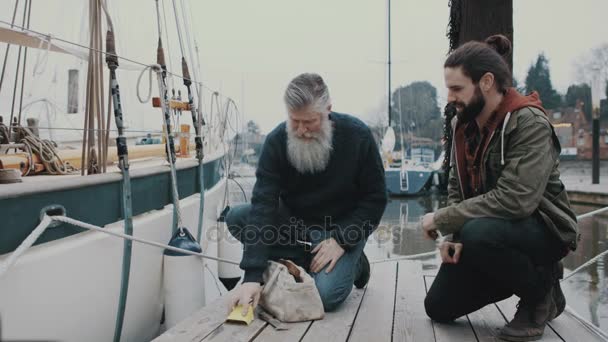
[390, 308]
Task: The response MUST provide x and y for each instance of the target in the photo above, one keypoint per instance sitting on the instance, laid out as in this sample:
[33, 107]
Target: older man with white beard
[319, 194]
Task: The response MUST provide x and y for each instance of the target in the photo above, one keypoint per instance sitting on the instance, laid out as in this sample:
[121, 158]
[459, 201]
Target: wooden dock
[390, 308]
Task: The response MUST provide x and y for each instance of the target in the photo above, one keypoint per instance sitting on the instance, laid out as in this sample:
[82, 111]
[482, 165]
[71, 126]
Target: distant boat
[413, 176]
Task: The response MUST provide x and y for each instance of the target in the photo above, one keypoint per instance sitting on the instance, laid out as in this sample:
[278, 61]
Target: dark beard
[469, 112]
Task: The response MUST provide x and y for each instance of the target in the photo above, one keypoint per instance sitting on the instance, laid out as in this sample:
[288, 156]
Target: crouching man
[507, 208]
[319, 194]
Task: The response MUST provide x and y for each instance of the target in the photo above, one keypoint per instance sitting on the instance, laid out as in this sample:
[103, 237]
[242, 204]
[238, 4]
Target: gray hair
[307, 90]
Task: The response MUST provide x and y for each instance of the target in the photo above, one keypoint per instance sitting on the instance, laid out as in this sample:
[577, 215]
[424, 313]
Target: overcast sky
[250, 50]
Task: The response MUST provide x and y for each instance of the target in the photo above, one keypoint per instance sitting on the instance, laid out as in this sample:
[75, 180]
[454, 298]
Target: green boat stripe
[97, 202]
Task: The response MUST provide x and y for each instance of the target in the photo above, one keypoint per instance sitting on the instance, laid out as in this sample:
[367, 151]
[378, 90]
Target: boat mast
[389, 63]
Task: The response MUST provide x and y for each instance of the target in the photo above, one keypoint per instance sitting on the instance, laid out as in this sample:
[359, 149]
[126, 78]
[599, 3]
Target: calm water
[399, 234]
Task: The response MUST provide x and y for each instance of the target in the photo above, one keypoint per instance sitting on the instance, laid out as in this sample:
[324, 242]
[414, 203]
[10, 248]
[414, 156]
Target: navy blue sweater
[351, 190]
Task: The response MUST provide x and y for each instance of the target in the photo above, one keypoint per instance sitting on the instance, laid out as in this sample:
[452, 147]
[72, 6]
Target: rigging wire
[8, 46]
[18, 67]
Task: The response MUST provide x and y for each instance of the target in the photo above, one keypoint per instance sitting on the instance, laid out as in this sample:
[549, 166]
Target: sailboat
[404, 175]
[67, 281]
[411, 176]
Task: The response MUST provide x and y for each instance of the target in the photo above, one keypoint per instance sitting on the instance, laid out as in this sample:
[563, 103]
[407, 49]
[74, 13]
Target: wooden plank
[459, 330]
[411, 322]
[295, 333]
[570, 329]
[374, 321]
[336, 325]
[199, 324]
[456, 331]
[232, 332]
[487, 322]
[508, 308]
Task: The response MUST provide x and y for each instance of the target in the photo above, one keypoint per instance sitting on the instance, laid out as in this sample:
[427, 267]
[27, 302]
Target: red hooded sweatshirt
[471, 148]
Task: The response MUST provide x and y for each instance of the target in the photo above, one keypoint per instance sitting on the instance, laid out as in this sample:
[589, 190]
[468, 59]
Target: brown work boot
[558, 295]
[530, 320]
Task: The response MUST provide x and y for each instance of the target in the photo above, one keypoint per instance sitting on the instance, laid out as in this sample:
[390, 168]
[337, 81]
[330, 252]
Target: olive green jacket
[520, 177]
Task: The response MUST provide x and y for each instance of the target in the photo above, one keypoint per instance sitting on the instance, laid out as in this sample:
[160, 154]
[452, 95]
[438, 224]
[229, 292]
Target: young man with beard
[319, 194]
[507, 208]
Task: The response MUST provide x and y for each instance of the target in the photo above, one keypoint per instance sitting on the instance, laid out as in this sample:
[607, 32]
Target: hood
[513, 101]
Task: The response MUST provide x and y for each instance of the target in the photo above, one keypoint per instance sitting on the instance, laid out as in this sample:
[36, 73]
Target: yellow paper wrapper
[236, 316]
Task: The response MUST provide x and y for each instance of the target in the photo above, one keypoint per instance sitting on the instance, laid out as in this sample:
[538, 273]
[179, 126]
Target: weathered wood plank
[411, 322]
[570, 329]
[231, 332]
[295, 332]
[374, 321]
[508, 308]
[336, 325]
[459, 330]
[487, 322]
[199, 324]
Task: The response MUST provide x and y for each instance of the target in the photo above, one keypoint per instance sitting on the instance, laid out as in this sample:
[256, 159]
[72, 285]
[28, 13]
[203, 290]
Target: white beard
[310, 156]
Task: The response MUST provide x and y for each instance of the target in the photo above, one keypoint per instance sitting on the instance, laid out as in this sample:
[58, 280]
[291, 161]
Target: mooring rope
[47, 220]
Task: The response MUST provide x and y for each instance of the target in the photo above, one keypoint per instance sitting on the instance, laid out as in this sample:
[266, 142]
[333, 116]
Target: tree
[415, 106]
[593, 66]
[580, 92]
[539, 79]
[479, 19]
[593, 69]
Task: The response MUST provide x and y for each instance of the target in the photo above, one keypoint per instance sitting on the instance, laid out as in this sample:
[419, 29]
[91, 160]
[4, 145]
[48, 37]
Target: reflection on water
[586, 291]
[400, 234]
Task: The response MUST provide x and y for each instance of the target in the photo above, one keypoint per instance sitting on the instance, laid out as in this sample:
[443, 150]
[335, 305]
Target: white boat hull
[68, 289]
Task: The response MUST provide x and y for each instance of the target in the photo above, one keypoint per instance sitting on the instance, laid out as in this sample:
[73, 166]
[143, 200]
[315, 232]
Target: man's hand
[328, 251]
[450, 252]
[246, 294]
[429, 230]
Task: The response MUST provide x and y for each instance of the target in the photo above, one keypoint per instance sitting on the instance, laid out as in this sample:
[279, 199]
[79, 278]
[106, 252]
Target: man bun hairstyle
[500, 44]
[478, 58]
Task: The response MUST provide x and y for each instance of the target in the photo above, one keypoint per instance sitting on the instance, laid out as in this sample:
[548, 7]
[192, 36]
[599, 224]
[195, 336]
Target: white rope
[25, 245]
[140, 240]
[149, 67]
[591, 213]
[46, 221]
[596, 258]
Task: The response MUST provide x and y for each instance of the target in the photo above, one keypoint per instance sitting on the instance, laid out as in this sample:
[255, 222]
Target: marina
[391, 307]
[129, 129]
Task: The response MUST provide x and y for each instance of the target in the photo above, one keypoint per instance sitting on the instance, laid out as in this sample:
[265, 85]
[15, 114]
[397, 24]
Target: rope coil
[46, 151]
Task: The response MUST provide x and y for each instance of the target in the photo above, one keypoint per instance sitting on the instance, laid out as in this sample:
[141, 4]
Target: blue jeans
[334, 287]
